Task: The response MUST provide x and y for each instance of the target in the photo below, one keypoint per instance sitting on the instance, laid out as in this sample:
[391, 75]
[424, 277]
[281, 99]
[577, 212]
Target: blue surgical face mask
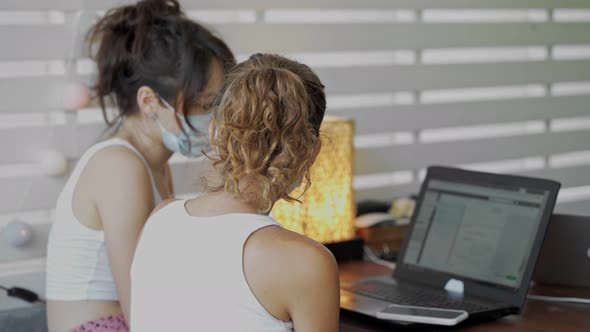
[189, 142]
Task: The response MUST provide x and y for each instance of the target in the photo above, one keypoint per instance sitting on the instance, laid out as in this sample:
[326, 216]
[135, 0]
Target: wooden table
[537, 316]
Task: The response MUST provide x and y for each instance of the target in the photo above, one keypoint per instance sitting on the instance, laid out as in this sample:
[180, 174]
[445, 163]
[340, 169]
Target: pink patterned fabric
[106, 324]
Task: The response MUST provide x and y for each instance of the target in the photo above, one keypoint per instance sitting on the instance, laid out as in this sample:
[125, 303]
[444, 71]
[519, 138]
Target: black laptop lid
[483, 229]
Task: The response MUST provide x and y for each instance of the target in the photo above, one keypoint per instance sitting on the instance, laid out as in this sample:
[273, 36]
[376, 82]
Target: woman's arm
[124, 200]
[294, 278]
[313, 298]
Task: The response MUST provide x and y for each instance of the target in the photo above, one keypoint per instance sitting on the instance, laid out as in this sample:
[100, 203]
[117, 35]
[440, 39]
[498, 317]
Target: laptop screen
[480, 232]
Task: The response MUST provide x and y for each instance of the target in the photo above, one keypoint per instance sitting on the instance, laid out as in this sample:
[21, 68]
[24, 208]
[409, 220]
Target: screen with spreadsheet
[480, 232]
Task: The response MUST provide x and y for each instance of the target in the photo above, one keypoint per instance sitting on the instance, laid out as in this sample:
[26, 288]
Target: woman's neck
[218, 203]
[145, 137]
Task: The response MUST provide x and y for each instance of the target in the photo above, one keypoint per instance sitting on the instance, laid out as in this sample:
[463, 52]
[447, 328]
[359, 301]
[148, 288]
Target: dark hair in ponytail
[152, 43]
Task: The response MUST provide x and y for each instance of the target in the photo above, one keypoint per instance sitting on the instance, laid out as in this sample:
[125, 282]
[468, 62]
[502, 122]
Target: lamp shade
[326, 212]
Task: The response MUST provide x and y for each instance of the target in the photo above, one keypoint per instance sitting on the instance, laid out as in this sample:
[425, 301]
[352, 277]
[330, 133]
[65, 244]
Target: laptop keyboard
[413, 296]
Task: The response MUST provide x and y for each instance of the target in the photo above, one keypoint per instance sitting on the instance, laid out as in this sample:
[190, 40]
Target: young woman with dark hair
[161, 71]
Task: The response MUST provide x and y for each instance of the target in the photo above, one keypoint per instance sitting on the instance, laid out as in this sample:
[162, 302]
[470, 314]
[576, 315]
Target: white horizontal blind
[495, 85]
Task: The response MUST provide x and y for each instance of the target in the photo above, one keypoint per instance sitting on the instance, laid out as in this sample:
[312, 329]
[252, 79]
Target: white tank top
[77, 262]
[187, 274]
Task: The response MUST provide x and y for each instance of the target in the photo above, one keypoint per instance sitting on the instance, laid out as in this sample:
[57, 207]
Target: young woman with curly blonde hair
[219, 262]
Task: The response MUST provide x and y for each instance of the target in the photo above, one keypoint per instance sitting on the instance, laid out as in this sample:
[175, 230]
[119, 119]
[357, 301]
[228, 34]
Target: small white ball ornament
[17, 233]
[76, 96]
[53, 163]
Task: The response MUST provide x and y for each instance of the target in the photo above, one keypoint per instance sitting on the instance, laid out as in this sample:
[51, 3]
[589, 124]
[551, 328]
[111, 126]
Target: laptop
[565, 255]
[477, 232]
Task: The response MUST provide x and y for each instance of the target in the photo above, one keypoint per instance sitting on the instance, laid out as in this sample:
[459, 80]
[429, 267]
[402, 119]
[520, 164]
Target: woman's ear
[147, 101]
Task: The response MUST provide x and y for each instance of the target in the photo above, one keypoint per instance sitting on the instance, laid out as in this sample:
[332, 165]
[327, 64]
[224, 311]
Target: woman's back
[77, 262]
[218, 262]
[193, 266]
[80, 285]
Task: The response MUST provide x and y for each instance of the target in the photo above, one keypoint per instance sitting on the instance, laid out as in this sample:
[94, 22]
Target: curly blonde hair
[267, 118]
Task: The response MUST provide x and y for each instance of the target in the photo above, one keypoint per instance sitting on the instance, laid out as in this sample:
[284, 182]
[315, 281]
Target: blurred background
[492, 85]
